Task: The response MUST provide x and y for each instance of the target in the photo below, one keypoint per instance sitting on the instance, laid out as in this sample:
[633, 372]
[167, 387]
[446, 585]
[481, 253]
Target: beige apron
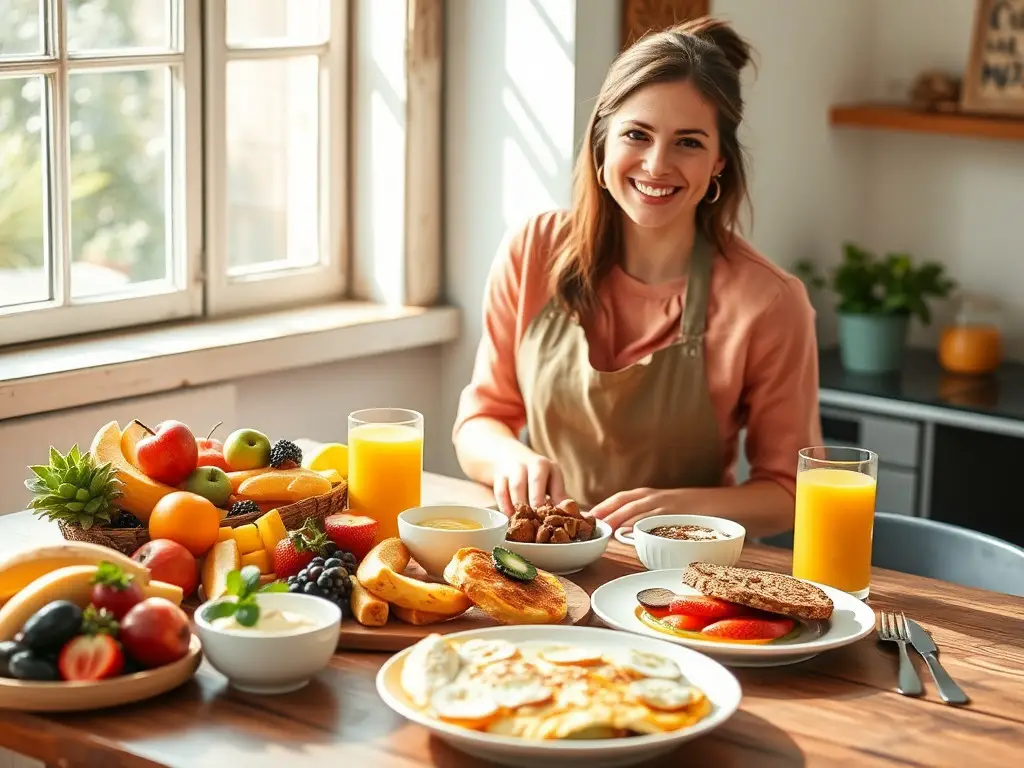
[651, 424]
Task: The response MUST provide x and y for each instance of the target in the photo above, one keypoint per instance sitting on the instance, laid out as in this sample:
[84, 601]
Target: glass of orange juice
[835, 515]
[385, 464]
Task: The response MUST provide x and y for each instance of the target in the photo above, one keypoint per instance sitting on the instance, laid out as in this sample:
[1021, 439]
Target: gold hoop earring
[718, 191]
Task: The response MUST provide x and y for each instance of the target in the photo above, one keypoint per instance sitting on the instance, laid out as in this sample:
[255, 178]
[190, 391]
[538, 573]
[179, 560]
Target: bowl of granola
[557, 538]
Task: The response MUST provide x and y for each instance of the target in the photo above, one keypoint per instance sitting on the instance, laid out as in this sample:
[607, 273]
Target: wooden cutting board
[397, 635]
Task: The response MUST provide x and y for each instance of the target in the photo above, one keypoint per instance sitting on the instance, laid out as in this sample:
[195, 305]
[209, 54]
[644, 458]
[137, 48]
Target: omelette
[540, 691]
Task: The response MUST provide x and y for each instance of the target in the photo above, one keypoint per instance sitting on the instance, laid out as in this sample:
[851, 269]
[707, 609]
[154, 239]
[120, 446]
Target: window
[108, 215]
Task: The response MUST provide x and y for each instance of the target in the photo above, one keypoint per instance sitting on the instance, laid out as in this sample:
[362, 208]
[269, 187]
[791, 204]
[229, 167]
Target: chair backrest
[940, 551]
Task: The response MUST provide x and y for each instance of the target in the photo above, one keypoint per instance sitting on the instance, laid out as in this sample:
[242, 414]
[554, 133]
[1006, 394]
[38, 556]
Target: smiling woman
[635, 335]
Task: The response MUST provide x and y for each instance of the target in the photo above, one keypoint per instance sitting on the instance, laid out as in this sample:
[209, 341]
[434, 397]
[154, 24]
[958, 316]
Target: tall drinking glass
[835, 515]
[385, 464]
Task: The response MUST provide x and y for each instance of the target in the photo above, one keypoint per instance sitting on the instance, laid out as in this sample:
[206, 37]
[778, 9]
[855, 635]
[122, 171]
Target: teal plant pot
[872, 343]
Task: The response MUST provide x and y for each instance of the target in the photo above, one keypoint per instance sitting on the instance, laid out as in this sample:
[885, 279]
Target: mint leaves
[243, 585]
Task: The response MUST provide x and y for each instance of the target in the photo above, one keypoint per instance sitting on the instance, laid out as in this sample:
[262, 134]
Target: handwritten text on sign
[1001, 71]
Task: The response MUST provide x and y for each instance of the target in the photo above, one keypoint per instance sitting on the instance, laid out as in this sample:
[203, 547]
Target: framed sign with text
[994, 80]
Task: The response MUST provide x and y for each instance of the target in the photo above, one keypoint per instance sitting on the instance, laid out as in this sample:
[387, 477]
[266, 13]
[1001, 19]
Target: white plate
[718, 684]
[615, 604]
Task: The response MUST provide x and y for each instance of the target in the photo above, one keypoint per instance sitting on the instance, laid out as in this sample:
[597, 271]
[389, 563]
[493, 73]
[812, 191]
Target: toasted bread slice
[763, 590]
[541, 601]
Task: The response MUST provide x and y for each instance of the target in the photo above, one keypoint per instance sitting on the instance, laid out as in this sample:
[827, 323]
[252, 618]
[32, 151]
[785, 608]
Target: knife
[950, 692]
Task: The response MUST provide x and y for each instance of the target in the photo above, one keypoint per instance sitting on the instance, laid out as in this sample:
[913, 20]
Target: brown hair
[708, 53]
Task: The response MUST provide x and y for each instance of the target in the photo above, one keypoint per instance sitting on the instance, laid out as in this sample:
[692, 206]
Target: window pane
[278, 22]
[119, 146]
[20, 28]
[273, 114]
[24, 275]
[116, 25]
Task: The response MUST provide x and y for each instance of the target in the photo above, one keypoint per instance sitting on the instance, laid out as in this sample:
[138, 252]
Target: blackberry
[332, 550]
[330, 582]
[125, 520]
[244, 507]
[285, 455]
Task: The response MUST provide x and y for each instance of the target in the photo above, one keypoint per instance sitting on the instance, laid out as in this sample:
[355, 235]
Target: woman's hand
[532, 481]
[627, 507]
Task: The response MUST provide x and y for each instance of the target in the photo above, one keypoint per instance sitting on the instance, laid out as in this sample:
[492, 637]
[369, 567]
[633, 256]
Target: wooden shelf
[894, 117]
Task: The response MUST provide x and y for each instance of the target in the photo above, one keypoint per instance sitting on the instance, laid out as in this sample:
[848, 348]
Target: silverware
[893, 629]
[950, 692]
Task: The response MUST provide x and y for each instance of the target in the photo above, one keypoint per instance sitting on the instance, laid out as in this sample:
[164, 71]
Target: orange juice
[835, 512]
[385, 472]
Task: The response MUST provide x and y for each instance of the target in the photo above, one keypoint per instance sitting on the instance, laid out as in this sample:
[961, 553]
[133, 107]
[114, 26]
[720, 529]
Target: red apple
[169, 561]
[168, 454]
[211, 451]
[155, 632]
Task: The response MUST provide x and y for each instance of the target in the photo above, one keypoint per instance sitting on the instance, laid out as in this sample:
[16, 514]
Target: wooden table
[840, 708]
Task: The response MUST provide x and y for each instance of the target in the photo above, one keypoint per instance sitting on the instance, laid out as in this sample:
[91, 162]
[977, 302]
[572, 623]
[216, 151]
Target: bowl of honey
[436, 532]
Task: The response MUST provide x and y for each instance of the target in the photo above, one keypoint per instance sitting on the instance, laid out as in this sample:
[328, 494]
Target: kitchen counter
[922, 390]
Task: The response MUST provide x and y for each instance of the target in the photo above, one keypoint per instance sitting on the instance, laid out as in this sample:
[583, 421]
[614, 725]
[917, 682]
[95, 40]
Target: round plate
[718, 684]
[31, 696]
[615, 604]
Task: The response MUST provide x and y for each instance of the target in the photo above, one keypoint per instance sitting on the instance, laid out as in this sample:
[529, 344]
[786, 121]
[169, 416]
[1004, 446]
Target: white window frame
[266, 289]
[137, 304]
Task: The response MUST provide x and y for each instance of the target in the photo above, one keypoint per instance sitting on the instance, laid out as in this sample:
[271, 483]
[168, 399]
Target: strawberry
[90, 657]
[705, 607]
[295, 552]
[354, 533]
[686, 623]
[750, 628]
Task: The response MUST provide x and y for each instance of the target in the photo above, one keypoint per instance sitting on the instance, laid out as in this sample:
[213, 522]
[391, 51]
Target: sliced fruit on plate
[90, 658]
[648, 664]
[513, 565]
[684, 623]
[481, 651]
[664, 695]
[750, 628]
[571, 655]
[463, 702]
[706, 607]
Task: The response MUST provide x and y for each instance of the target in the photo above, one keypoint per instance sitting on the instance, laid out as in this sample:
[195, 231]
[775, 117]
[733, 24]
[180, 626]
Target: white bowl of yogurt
[292, 640]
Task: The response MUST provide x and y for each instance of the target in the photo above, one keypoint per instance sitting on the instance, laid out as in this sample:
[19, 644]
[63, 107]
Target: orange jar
[974, 343]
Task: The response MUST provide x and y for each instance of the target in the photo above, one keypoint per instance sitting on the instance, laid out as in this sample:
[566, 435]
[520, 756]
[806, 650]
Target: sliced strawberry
[658, 613]
[749, 629]
[354, 533]
[707, 607]
[90, 657]
[686, 623]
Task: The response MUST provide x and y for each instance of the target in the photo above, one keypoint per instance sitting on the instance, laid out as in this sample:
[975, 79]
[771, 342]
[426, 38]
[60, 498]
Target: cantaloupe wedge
[140, 493]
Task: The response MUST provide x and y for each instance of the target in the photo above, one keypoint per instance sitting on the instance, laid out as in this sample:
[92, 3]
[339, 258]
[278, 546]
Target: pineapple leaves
[73, 489]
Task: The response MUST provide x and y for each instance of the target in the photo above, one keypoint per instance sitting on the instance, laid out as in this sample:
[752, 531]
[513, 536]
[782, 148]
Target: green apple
[211, 483]
[247, 449]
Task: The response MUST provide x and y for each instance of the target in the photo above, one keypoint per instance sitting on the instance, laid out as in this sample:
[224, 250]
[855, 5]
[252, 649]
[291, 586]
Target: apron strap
[698, 285]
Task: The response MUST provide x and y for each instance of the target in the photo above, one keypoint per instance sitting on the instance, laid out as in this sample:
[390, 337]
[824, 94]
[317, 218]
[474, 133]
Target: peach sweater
[761, 350]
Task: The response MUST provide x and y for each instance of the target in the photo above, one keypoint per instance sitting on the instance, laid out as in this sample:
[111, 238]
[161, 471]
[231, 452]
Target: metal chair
[940, 551]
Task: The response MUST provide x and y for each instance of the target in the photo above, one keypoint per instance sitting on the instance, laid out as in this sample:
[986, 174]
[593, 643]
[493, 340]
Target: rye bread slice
[764, 590]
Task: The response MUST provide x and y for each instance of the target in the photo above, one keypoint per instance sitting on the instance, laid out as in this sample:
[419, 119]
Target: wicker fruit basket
[127, 540]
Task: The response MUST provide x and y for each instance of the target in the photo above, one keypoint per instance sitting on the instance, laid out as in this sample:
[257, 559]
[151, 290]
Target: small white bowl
[563, 559]
[273, 662]
[657, 552]
[433, 548]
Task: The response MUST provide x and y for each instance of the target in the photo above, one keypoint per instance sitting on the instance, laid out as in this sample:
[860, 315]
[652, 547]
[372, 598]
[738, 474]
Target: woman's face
[660, 154]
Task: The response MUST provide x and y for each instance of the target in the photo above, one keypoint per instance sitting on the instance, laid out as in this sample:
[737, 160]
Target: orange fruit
[187, 518]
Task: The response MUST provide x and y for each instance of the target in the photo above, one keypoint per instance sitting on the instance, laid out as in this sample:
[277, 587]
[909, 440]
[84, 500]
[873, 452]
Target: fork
[893, 628]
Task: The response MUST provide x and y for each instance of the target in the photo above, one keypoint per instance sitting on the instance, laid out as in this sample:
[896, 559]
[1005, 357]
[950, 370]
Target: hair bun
[721, 34]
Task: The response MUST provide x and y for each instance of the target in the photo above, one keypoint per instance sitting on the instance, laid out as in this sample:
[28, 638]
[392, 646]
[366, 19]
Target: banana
[480, 651]
[571, 655]
[20, 569]
[73, 583]
[649, 664]
[380, 573]
[661, 694]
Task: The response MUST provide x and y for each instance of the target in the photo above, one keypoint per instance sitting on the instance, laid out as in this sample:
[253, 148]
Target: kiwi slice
[512, 565]
[657, 597]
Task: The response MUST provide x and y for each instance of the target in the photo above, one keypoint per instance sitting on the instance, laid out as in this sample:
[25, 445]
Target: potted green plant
[877, 299]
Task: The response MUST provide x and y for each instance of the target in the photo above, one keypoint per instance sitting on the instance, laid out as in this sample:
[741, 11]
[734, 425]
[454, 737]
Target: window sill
[47, 377]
